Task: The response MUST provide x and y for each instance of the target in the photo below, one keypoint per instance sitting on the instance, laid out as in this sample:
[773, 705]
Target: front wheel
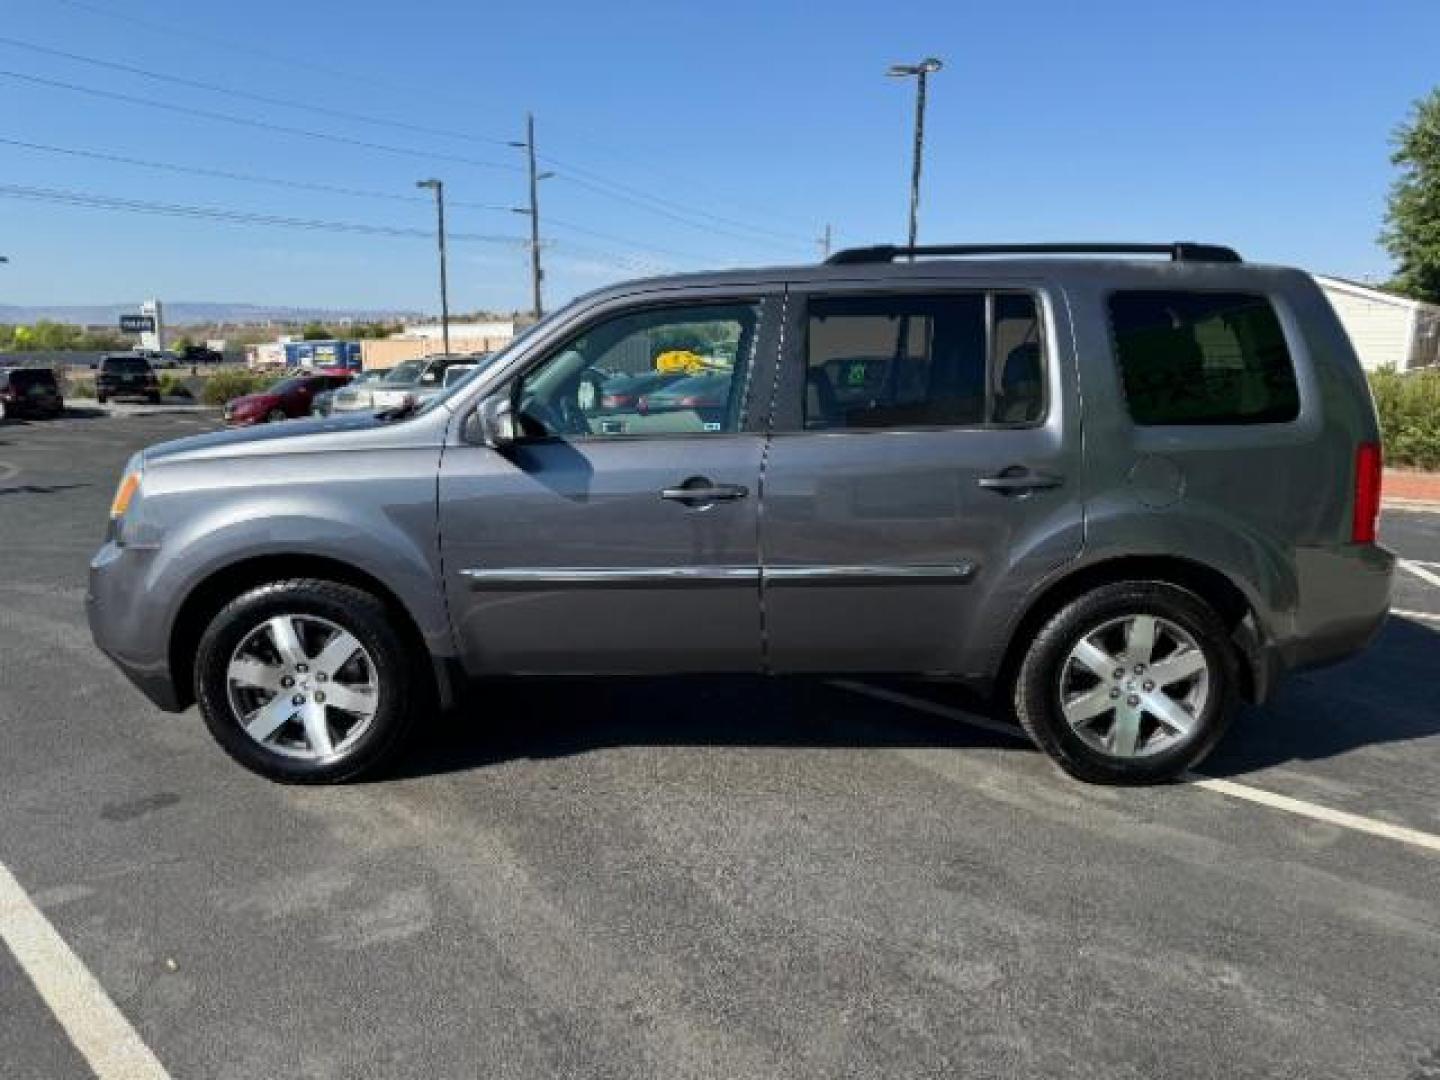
[1131, 683]
[275, 416]
[307, 681]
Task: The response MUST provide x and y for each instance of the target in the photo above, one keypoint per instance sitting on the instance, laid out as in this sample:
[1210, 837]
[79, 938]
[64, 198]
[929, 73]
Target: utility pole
[438, 187]
[824, 242]
[536, 273]
[921, 72]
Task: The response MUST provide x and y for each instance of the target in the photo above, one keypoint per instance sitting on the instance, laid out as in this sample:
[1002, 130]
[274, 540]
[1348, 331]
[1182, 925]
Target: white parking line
[1258, 796]
[8, 471]
[102, 1035]
[1415, 614]
[1420, 572]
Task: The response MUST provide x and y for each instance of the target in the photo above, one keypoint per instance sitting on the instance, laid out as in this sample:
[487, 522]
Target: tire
[1127, 742]
[153, 399]
[100, 399]
[274, 416]
[383, 675]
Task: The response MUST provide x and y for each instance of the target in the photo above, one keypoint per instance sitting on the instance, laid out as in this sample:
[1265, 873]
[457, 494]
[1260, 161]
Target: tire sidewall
[1038, 689]
[353, 610]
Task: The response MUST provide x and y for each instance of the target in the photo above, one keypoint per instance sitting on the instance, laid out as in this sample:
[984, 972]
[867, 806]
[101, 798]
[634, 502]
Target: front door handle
[1018, 480]
[699, 491]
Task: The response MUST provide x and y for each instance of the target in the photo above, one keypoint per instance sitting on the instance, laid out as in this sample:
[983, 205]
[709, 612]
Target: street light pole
[921, 72]
[438, 187]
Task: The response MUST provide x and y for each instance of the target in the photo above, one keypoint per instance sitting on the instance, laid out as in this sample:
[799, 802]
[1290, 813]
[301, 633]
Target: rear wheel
[307, 681]
[274, 416]
[1133, 682]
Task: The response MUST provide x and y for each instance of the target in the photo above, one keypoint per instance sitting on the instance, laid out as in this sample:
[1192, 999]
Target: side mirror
[494, 422]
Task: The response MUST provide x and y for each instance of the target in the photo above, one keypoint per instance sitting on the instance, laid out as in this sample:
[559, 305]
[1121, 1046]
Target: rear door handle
[1016, 481]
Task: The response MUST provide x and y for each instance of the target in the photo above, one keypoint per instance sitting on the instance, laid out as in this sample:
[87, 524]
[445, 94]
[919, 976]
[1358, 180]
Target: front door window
[663, 371]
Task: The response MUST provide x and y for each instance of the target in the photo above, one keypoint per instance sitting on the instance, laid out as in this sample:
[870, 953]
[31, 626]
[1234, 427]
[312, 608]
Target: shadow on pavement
[40, 489]
[538, 718]
[1384, 695]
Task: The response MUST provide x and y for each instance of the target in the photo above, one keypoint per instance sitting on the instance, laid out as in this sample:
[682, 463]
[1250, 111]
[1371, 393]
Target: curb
[1416, 506]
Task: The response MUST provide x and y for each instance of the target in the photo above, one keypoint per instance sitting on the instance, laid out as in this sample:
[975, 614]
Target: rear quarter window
[1202, 358]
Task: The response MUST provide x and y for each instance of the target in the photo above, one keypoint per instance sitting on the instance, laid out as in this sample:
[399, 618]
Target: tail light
[1367, 493]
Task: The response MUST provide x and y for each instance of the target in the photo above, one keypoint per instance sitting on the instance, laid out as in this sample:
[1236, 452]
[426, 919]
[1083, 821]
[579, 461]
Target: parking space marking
[1430, 615]
[1244, 792]
[100, 1033]
[1420, 572]
[8, 471]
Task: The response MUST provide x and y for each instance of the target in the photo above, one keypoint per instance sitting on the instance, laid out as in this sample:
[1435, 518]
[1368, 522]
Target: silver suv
[1118, 493]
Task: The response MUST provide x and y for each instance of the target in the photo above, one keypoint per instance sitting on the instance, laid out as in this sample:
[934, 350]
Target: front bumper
[125, 626]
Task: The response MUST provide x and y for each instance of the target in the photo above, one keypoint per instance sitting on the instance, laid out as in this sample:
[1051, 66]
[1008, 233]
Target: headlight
[129, 485]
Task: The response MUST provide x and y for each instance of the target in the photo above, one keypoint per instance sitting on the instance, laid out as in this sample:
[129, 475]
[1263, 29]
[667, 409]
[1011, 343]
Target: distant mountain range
[188, 312]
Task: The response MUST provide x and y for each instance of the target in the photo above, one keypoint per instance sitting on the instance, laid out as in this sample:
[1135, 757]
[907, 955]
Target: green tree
[1412, 221]
[315, 332]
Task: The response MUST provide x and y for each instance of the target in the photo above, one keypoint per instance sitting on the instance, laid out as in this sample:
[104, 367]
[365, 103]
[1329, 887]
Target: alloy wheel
[1134, 686]
[303, 687]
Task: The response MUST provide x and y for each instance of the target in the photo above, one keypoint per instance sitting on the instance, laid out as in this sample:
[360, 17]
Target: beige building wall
[382, 353]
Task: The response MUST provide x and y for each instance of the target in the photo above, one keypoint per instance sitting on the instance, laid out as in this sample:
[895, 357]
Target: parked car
[324, 402]
[707, 396]
[29, 391]
[622, 393]
[126, 375]
[194, 355]
[406, 385]
[904, 481]
[286, 400]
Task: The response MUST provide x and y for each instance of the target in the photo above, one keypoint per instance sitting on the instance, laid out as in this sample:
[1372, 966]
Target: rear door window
[1203, 358]
[964, 359]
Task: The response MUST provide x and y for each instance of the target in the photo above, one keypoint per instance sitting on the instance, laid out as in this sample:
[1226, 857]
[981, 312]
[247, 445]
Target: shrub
[1409, 410]
[174, 386]
[224, 385]
[80, 388]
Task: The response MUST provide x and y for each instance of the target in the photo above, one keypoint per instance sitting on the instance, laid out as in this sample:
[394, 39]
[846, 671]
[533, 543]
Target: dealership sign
[137, 324]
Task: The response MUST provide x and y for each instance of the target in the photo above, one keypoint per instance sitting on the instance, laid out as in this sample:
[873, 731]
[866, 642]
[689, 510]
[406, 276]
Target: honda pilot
[1120, 489]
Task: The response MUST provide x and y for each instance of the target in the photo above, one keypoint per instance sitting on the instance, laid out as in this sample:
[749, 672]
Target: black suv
[126, 375]
[29, 391]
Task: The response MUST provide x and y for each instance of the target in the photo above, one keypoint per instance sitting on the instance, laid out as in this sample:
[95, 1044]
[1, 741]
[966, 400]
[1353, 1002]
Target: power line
[328, 189]
[369, 81]
[249, 178]
[98, 201]
[244, 121]
[596, 182]
[196, 84]
[638, 197]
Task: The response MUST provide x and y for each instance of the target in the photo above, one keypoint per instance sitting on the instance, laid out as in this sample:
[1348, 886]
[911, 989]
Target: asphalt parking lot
[699, 878]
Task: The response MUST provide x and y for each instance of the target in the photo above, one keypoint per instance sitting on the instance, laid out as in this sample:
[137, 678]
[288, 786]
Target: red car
[286, 400]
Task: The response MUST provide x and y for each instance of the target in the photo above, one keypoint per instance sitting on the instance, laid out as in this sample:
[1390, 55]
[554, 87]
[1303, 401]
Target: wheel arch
[1213, 586]
[224, 584]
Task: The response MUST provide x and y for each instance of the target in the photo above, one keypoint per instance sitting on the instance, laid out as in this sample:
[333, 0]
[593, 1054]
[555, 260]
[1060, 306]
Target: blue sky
[1260, 124]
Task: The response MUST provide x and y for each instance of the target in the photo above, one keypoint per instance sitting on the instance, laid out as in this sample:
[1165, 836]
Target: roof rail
[1179, 251]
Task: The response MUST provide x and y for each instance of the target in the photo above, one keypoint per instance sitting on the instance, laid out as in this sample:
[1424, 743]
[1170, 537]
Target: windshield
[406, 373]
[285, 386]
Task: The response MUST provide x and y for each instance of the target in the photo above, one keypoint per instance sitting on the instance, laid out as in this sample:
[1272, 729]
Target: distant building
[1386, 330]
[422, 339]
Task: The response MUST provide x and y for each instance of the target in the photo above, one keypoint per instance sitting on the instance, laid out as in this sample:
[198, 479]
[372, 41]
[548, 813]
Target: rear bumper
[1344, 599]
[125, 627]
